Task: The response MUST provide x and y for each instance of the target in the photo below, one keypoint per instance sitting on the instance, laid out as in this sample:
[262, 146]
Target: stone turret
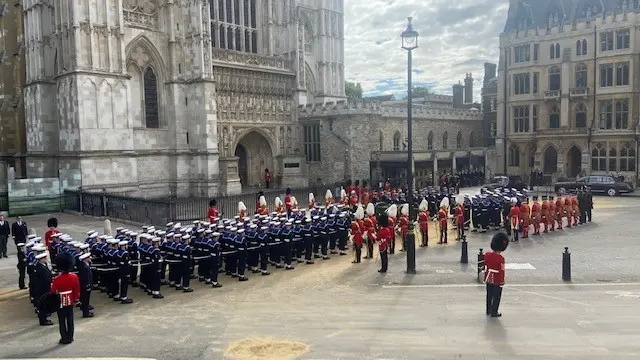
[468, 89]
[458, 95]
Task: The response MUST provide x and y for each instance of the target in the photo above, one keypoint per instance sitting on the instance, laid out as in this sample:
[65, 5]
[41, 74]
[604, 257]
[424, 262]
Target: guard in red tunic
[357, 231]
[459, 214]
[404, 224]
[370, 230]
[312, 201]
[242, 210]
[385, 237]
[442, 220]
[423, 222]
[392, 213]
[213, 211]
[494, 273]
[552, 214]
[535, 216]
[514, 218]
[52, 224]
[544, 213]
[67, 286]
[525, 218]
[575, 211]
[559, 212]
[328, 199]
[288, 204]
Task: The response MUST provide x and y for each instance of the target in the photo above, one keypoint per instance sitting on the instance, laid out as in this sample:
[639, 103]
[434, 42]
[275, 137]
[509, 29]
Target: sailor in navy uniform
[287, 237]
[86, 284]
[264, 240]
[122, 259]
[111, 268]
[241, 254]
[343, 233]
[165, 238]
[323, 227]
[22, 265]
[153, 269]
[173, 259]
[297, 241]
[134, 257]
[143, 252]
[253, 247]
[184, 251]
[332, 230]
[317, 236]
[29, 255]
[197, 252]
[41, 284]
[307, 240]
[275, 244]
[214, 247]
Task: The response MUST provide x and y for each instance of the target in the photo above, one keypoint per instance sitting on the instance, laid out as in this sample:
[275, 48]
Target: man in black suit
[19, 231]
[5, 232]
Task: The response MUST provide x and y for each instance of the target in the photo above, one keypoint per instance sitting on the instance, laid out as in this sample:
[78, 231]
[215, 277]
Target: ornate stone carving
[334, 26]
[289, 140]
[267, 62]
[100, 29]
[140, 56]
[84, 26]
[308, 38]
[225, 141]
[143, 13]
[281, 140]
[309, 81]
[115, 31]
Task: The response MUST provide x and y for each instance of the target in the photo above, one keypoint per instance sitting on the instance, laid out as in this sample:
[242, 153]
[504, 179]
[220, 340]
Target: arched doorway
[550, 161]
[574, 161]
[254, 156]
[243, 159]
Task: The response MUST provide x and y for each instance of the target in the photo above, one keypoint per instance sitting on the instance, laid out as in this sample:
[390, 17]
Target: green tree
[352, 90]
[420, 91]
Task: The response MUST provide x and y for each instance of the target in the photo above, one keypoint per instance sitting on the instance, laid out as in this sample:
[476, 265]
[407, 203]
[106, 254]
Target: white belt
[66, 292]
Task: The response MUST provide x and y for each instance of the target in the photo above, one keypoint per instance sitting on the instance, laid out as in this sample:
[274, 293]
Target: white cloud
[456, 37]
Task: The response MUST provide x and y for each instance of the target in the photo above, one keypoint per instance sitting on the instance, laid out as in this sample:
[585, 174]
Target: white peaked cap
[40, 256]
[263, 201]
[371, 210]
[241, 206]
[459, 199]
[343, 193]
[32, 236]
[84, 256]
[359, 213]
[278, 201]
[423, 205]
[311, 197]
[405, 209]
[392, 211]
[444, 204]
[514, 200]
[328, 194]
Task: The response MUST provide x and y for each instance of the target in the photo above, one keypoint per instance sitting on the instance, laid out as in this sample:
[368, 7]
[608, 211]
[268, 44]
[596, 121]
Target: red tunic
[288, 203]
[48, 235]
[385, 237]
[423, 220]
[353, 200]
[68, 287]
[460, 216]
[493, 269]
[514, 215]
[357, 229]
[524, 213]
[213, 213]
[404, 226]
[442, 217]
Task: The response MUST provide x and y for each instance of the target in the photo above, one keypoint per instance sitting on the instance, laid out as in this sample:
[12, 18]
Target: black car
[603, 184]
[509, 182]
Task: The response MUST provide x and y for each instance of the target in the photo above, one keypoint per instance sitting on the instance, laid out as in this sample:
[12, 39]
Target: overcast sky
[456, 37]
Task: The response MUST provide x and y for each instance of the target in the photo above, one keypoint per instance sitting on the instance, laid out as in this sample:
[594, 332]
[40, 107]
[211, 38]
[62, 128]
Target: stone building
[489, 103]
[184, 97]
[12, 65]
[568, 102]
[367, 139]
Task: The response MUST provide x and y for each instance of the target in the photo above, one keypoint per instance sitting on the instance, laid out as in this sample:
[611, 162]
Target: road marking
[550, 297]
[444, 271]
[568, 285]
[625, 294]
[516, 266]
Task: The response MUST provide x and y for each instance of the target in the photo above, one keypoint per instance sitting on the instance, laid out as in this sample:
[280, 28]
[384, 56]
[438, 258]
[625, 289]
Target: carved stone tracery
[143, 13]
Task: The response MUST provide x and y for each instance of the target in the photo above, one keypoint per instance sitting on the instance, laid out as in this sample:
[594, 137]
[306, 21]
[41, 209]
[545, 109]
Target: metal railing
[159, 211]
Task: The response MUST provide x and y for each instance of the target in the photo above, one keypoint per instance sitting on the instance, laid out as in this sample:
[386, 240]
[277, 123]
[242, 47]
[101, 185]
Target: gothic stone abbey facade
[156, 97]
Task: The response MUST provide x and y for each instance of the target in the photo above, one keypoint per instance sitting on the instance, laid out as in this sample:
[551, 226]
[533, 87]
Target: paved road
[345, 311]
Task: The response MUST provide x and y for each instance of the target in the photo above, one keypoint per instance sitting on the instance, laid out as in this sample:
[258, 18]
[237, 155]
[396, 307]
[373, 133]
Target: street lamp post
[410, 43]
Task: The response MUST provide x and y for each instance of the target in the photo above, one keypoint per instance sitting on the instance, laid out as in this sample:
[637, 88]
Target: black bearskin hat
[213, 203]
[65, 262]
[499, 242]
[348, 182]
[288, 191]
[535, 198]
[357, 182]
[364, 183]
[53, 222]
[383, 220]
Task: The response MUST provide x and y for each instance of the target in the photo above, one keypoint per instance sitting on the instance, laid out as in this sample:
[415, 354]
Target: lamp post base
[410, 246]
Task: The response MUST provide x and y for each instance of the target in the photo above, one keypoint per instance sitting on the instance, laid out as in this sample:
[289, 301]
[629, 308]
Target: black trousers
[342, 240]
[333, 240]
[42, 314]
[133, 272]
[494, 294]
[185, 273]
[286, 249]
[317, 241]
[163, 270]
[153, 277]
[213, 269]
[242, 262]
[65, 318]
[392, 245]
[3, 245]
[358, 253]
[274, 253]
[22, 268]
[308, 248]
[425, 238]
[384, 257]
[588, 214]
[369, 249]
[85, 298]
[230, 264]
[124, 284]
[324, 242]
[298, 247]
[264, 257]
[252, 258]
[203, 268]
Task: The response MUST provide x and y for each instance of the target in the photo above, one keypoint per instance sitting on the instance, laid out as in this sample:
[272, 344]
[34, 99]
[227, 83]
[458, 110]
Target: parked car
[603, 184]
[510, 182]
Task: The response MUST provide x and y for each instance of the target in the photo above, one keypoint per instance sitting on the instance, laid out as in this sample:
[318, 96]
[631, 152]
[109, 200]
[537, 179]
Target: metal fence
[159, 211]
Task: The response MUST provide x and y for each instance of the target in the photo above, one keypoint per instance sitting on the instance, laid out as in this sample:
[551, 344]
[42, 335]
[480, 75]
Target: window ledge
[151, 129]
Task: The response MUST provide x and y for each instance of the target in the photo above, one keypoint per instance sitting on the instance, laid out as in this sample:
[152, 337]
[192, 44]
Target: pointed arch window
[445, 139]
[472, 141]
[554, 78]
[459, 140]
[514, 155]
[151, 99]
[581, 75]
[233, 24]
[554, 117]
[554, 51]
[396, 141]
[627, 157]
[430, 141]
[381, 140]
[613, 158]
[581, 47]
[599, 158]
[581, 116]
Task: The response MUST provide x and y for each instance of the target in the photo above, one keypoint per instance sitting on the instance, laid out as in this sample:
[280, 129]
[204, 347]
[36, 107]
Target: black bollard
[480, 264]
[464, 256]
[411, 251]
[566, 265]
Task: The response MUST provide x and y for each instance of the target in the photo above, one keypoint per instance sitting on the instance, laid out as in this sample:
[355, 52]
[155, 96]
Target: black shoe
[265, 273]
[216, 285]
[88, 315]
[64, 341]
[135, 285]
[90, 307]
[46, 323]
[187, 290]
[242, 278]
[325, 258]
[158, 296]
[279, 266]
[309, 262]
[126, 301]
[178, 287]
[234, 275]
[382, 271]
[164, 282]
[116, 298]
[289, 267]
[496, 315]
[23, 287]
